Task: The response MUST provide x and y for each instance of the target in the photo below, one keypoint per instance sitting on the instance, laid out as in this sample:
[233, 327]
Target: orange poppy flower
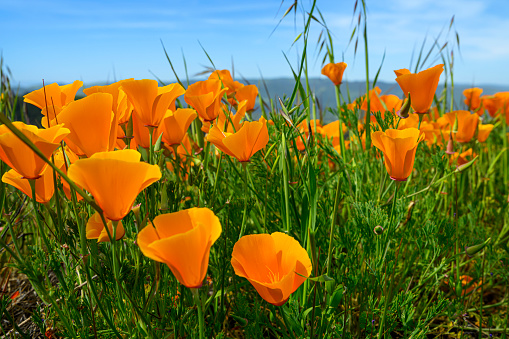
[226, 78]
[56, 95]
[249, 139]
[331, 130]
[490, 103]
[230, 124]
[411, 122]
[151, 102]
[121, 106]
[95, 229]
[92, 124]
[334, 72]
[421, 86]
[248, 93]
[182, 240]
[273, 264]
[44, 186]
[473, 98]
[398, 147]
[467, 124]
[484, 131]
[205, 98]
[114, 179]
[174, 125]
[20, 157]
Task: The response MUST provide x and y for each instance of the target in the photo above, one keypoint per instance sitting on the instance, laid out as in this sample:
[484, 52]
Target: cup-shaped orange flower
[398, 147]
[205, 98]
[484, 132]
[53, 95]
[249, 93]
[472, 98]
[95, 229]
[249, 139]
[272, 264]
[174, 125]
[182, 240]
[44, 186]
[114, 179]
[226, 78]
[466, 126]
[121, 106]
[92, 124]
[20, 157]
[421, 86]
[151, 102]
[334, 72]
[331, 130]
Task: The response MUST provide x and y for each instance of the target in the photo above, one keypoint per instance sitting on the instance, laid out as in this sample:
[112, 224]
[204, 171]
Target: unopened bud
[403, 112]
[378, 230]
[450, 146]
[470, 251]
[466, 166]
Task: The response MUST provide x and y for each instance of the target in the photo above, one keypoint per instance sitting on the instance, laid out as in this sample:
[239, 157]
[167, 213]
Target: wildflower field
[202, 210]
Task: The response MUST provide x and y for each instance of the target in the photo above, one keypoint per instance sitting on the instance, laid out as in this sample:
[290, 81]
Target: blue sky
[99, 41]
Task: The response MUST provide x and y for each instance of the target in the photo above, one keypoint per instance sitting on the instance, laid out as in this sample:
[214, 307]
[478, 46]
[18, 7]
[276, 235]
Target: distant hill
[321, 87]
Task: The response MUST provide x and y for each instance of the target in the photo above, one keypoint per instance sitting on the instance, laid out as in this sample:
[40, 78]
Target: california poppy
[20, 157]
[151, 102]
[226, 79]
[92, 124]
[121, 106]
[174, 125]
[484, 131]
[205, 98]
[247, 93]
[331, 130]
[398, 147]
[473, 98]
[276, 264]
[249, 139]
[114, 179]
[53, 95]
[44, 186]
[466, 124]
[334, 72]
[182, 240]
[421, 86]
[95, 229]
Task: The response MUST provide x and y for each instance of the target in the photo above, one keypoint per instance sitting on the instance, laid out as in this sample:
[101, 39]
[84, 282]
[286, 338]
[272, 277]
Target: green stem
[36, 212]
[285, 183]
[246, 195]
[199, 307]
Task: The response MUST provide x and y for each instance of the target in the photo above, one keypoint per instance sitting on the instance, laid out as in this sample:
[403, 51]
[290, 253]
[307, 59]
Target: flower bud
[403, 112]
[470, 251]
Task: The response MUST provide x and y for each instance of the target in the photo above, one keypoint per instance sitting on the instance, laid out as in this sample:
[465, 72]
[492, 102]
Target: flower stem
[36, 212]
[246, 194]
[199, 307]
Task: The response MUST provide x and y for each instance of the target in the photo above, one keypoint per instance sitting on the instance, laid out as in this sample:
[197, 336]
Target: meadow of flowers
[150, 210]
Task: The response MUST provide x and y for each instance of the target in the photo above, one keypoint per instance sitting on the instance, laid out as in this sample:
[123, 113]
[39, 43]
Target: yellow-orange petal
[44, 187]
[91, 123]
[95, 229]
[182, 240]
[20, 157]
[334, 72]
[114, 179]
[252, 137]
